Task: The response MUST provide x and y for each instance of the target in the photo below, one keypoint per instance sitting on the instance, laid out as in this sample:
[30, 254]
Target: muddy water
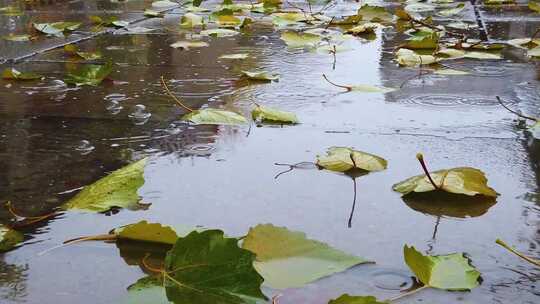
[55, 139]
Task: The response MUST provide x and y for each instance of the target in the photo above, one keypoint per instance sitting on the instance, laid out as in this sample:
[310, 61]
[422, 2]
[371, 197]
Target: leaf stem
[99, 237]
[349, 224]
[519, 254]
[400, 296]
[348, 88]
[420, 158]
[515, 112]
[174, 97]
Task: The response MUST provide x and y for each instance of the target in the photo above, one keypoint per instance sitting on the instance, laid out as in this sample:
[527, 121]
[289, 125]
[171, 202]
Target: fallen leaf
[300, 40]
[186, 45]
[214, 117]
[422, 40]
[118, 189]
[347, 299]
[152, 13]
[17, 38]
[410, 58]
[56, 28]
[498, 2]
[89, 74]
[364, 28]
[206, 267]
[448, 272]
[374, 14]
[534, 52]
[190, 20]
[271, 115]
[260, 76]
[535, 130]
[164, 4]
[14, 74]
[146, 232]
[240, 56]
[343, 159]
[452, 11]
[288, 259]
[534, 6]
[219, 32]
[461, 180]
[450, 72]
[120, 23]
[9, 238]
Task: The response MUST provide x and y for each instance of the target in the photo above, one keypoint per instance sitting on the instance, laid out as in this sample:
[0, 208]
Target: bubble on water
[113, 107]
[140, 116]
[85, 147]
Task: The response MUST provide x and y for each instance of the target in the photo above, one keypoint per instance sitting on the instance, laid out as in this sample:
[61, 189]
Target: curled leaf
[343, 159]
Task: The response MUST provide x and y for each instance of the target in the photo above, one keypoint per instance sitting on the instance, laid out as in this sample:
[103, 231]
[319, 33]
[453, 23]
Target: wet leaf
[482, 55]
[534, 6]
[289, 259]
[89, 74]
[214, 117]
[152, 13]
[56, 28]
[228, 21]
[498, 2]
[271, 115]
[300, 40]
[118, 189]
[240, 56]
[534, 52]
[449, 272]
[190, 20]
[374, 14]
[524, 43]
[347, 299]
[364, 28]
[164, 4]
[410, 58]
[147, 290]
[120, 23]
[422, 40]
[14, 74]
[17, 38]
[535, 130]
[461, 180]
[343, 159]
[9, 238]
[186, 45]
[206, 267]
[219, 32]
[452, 11]
[348, 20]
[90, 55]
[462, 25]
[147, 232]
[284, 19]
[260, 76]
[419, 7]
[451, 72]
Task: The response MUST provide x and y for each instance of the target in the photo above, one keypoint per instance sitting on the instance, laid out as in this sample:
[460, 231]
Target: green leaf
[120, 23]
[260, 76]
[214, 117]
[16, 38]
[240, 56]
[152, 13]
[9, 238]
[288, 259]
[197, 2]
[56, 28]
[284, 19]
[147, 232]
[534, 52]
[374, 14]
[535, 130]
[118, 189]
[300, 40]
[219, 32]
[422, 40]
[410, 58]
[271, 115]
[347, 299]
[89, 74]
[449, 272]
[13, 74]
[186, 45]
[364, 28]
[90, 55]
[450, 72]
[452, 11]
[147, 290]
[165, 4]
[190, 20]
[461, 180]
[343, 159]
[498, 2]
[205, 267]
[534, 6]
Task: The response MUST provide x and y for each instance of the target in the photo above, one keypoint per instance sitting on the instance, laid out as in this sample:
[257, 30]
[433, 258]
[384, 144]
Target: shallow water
[55, 139]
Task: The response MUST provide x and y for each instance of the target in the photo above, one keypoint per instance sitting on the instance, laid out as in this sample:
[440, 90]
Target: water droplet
[139, 116]
[85, 147]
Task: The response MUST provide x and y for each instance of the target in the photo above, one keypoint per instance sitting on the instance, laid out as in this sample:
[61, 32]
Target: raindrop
[85, 147]
[140, 116]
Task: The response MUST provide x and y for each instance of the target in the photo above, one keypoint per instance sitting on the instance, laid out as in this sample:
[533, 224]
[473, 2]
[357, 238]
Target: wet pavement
[56, 138]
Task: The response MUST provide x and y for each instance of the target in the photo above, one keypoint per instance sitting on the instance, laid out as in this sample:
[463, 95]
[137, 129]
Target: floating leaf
[214, 117]
[451, 72]
[190, 20]
[374, 14]
[535, 130]
[89, 74]
[482, 55]
[452, 11]
[9, 238]
[89, 55]
[147, 290]
[524, 43]
[260, 76]
[17, 38]
[534, 52]
[534, 6]
[271, 115]
[152, 13]
[449, 272]
[419, 7]
[118, 189]
[146, 232]
[462, 180]
[186, 45]
[422, 40]
[410, 58]
[206, 267]
[164, 4]
[13, 74]
[120, 23]
[462, 25]
[364, 28]
[284, 19]
[56, 28]
[219, 32]
[240, 56]
[343, 159]
[228, 21]
[499, 2]
[364, 88]
[347, 299]
[300, 40]
[288, 259]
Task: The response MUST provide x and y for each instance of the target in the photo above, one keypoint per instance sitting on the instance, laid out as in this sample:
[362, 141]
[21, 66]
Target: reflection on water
[440, 203]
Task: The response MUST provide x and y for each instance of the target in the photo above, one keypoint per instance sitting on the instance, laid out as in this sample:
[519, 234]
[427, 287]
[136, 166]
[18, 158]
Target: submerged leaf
[13, 74]
[461, 180]
[343, 159]
[449, 272]
[288, 259]
[347, 299]
[300, 40]
[271, 115]
[118, 189]
[206, 267]
[89, 74]
[9, 238]
[260, 76]
[214, 117]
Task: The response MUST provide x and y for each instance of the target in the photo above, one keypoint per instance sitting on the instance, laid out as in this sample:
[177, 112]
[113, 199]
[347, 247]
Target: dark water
[55, 138]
